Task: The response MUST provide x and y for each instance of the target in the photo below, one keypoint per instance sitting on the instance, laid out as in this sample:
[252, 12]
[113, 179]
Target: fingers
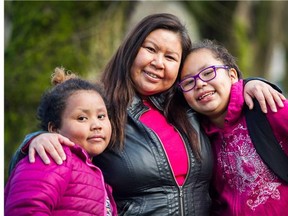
[273, 99]
[49, 144]
[64, 141]
[249, 101]
[31, 155]
[264, 93]
[33, 148]
[254, 89]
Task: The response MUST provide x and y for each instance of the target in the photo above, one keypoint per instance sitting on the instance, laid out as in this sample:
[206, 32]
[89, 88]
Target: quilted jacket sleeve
[20, 154]
[35, 189]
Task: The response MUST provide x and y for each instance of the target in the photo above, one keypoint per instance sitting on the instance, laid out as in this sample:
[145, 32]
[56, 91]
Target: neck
[218, 120]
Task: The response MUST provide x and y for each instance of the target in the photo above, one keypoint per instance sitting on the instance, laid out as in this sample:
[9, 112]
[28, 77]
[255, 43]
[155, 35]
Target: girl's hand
[263, 93]
[50, 143]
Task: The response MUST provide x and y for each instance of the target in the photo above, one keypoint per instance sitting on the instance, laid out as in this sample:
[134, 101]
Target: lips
[96, 138]
[201, 97]
[154, 76]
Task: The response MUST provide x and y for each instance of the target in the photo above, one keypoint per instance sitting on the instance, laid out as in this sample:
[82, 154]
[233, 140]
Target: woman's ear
[233, 75]
[52, 128]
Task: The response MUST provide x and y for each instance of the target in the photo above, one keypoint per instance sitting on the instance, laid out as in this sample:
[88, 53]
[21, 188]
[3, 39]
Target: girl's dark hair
[219, 52]
[53, 101]
[178, 101]
[116, 76]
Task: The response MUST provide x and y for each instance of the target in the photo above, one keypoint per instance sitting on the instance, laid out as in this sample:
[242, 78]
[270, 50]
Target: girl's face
[156, 65]
[85, 122]
[208, 98]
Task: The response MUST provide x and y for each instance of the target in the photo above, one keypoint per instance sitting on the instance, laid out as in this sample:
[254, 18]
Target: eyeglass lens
[205, 75]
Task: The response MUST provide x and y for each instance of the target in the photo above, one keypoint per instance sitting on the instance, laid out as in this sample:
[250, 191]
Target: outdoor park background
[82, 36]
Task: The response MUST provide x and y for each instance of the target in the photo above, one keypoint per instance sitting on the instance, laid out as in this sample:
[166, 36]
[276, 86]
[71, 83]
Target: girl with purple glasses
[242, 184]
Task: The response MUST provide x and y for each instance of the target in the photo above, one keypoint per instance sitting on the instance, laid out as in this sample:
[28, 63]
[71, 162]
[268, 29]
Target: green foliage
[82, 36]
[47, 34]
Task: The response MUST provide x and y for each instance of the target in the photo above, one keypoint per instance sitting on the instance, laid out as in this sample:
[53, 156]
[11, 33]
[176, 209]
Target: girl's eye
[82, 118]
[208, 73]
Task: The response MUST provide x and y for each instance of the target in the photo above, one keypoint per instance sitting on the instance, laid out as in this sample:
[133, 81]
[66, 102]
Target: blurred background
[82, 36]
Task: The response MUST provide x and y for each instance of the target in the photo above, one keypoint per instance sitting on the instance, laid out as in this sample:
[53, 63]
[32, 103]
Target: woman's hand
[263, 93]
[50, 143]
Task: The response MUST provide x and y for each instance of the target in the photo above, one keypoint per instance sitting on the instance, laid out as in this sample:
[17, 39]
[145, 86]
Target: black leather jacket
[141, 176]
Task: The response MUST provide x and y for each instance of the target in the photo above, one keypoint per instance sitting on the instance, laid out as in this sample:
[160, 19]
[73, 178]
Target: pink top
[171, 141]
[245, 185]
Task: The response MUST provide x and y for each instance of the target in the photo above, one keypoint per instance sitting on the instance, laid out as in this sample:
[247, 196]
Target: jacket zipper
[181, 197]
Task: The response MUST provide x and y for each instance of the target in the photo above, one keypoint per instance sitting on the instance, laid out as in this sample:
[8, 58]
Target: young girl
[242, 183]
[74, 108]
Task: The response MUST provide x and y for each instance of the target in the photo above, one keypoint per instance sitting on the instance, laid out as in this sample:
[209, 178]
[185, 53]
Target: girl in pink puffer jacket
[76, 109]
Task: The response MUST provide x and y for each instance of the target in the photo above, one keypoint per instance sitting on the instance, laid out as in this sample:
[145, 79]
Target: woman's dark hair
[53, 101]
[116, 76]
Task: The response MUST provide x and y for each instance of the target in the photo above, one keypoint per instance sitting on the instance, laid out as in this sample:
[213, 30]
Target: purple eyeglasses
[207, 74]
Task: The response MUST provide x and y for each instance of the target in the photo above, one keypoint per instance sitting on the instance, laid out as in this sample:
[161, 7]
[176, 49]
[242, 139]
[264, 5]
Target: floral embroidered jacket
[242, 183]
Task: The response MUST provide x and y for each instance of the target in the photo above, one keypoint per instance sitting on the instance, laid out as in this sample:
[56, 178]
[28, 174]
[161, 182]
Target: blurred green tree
[46, 34]
[82, 36]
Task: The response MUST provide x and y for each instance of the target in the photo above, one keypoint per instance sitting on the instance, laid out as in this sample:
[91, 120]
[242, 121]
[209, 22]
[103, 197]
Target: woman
[165, 164]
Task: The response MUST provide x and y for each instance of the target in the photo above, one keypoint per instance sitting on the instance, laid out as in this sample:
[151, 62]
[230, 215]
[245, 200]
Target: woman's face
[157, 63]
[209, 98]
[85, 121]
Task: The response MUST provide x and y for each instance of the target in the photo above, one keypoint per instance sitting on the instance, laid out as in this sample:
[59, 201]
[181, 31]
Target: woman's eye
[170, 57]
[151, 49]
[102, 116]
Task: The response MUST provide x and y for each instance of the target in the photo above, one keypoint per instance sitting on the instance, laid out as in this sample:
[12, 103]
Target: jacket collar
[234, 110]
[137, 107]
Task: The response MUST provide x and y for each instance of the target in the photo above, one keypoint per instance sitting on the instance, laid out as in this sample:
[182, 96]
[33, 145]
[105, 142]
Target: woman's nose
[157, 61]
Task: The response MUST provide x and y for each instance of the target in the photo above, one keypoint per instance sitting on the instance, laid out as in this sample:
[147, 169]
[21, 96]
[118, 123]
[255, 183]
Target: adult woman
[165, 164]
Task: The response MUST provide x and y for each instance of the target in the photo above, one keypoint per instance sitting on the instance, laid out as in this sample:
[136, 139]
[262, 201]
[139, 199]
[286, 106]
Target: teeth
[205, 95]
[152, 75]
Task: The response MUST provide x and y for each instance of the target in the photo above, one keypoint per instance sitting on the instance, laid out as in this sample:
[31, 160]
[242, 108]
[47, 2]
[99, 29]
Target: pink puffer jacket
[74, 188]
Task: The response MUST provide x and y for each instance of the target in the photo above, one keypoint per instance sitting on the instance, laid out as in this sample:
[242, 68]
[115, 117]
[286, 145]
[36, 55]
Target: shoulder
[280, 116]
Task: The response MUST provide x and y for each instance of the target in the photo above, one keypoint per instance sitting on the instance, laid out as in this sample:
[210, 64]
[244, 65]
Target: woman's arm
[41, 142]
[264, 93]
[49, 143]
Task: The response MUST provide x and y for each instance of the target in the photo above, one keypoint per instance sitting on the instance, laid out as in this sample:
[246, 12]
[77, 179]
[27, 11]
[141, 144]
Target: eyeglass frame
[215, 67]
